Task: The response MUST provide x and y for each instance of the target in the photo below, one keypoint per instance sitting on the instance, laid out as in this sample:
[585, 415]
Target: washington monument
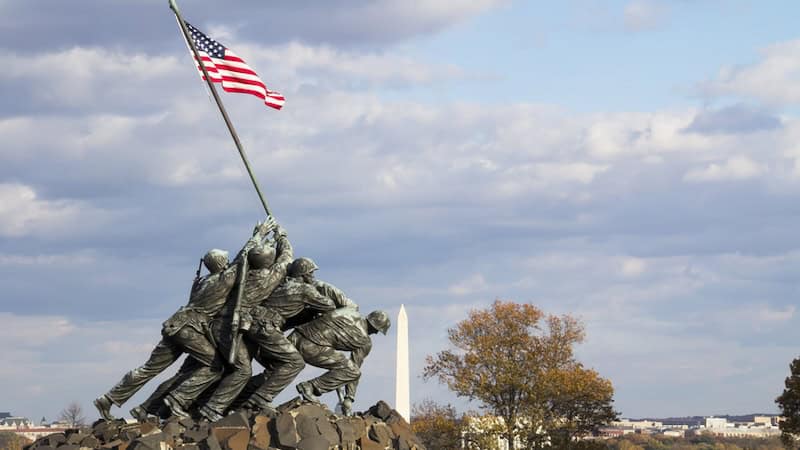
[402, 398]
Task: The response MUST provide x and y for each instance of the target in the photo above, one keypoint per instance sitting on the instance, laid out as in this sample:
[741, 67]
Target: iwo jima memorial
[263, 305]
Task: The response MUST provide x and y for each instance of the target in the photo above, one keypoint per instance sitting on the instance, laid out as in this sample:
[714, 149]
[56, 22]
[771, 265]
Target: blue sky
[634, 163]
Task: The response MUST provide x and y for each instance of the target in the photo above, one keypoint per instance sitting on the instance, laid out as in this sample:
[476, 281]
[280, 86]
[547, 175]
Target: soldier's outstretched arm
[259, 233]
[285, 252]
[267, 279]
[316, 301]
[335, 294]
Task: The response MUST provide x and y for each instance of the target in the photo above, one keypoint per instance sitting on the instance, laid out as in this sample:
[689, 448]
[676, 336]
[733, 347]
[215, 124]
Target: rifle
[199, 269]
[235, 321]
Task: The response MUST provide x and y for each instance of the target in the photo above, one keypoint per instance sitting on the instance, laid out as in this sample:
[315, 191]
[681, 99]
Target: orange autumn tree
[520, 365]
[436, 425]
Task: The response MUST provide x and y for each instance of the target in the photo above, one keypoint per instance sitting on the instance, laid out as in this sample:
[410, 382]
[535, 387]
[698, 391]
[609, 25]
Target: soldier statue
[299, 299]
[187, 330]
[321, 343]
[266, 272]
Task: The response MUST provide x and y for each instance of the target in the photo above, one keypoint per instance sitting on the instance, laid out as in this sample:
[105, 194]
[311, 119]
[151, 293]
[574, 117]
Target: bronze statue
[186, 330]
[300, 298]
[320, 343]
[266, 272]
[240, 311]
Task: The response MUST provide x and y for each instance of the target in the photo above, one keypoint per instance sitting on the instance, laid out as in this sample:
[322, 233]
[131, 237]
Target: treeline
[700, 442]
[12, 441]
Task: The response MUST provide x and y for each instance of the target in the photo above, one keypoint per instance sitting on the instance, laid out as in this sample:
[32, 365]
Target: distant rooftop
[3, 415]
[16, 421]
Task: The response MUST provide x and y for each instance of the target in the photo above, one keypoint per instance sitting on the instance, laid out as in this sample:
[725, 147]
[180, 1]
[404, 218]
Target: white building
[638, 424]
[674, 433]
[16, 422]
[27, 429]
[717, 423]
[761, 427]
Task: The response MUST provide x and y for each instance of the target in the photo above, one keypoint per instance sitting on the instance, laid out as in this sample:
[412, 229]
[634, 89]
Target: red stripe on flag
[221, 64]
[244, 81]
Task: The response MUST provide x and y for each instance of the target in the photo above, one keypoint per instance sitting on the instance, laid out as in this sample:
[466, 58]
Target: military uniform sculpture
[240, 311]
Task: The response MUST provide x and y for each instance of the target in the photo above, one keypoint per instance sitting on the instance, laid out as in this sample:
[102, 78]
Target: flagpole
[174, 7]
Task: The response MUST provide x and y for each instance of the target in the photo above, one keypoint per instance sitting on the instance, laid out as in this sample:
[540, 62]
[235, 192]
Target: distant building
[760, 427]
[757, 432]
[16, 422]
[637, 424]
[26, 428]
[716, 422]
[613, 432]
[671, 432]
[477, 426]
[763, 420]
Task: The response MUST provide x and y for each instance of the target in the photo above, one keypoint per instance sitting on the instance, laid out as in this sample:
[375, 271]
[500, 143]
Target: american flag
[225, 67]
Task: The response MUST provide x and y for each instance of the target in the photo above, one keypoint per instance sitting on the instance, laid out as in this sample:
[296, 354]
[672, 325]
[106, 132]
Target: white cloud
[24, 213]
[768, 314]
[86, 357]
[735, 168]
[474, 284]
[773, 79]
[53, 259]
[642, 15]
[632, 267]
[24, 331]
[105, 77]
[298, 64]
[621, 135]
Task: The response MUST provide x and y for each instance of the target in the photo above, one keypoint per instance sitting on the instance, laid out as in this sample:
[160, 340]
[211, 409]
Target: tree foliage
[579, 400]
[520, 365]
[789, 404]
[73, 415]
[436, 425]
[696, 442]
[12, 441]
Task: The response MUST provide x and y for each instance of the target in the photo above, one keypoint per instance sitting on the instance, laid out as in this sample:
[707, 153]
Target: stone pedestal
[298, 425]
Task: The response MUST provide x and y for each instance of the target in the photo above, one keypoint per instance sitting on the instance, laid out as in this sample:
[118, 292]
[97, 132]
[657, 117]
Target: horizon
[633, 163]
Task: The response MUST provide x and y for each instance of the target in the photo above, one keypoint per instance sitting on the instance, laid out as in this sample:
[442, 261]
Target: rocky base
[298, 425]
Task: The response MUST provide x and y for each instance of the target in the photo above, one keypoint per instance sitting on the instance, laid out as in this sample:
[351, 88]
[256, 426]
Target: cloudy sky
[635, 163]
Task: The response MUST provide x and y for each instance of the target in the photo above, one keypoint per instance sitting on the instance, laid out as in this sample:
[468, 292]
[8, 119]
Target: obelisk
[403, 394]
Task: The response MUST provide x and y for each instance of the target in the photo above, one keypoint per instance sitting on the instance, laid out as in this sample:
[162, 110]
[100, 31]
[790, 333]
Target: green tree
[520, 365]
[789, 404]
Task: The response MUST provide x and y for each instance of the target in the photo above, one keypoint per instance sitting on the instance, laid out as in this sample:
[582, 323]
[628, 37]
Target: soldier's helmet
[379, 320]
[215, 260]
[261, 257]
[302, 266]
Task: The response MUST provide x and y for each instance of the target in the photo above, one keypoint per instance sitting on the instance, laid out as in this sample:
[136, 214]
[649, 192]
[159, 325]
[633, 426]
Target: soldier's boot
[209, 414]
[139, 414]
[306, 389]
[103, 405]
[260, 406]
[266, 410]
[175, 408]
